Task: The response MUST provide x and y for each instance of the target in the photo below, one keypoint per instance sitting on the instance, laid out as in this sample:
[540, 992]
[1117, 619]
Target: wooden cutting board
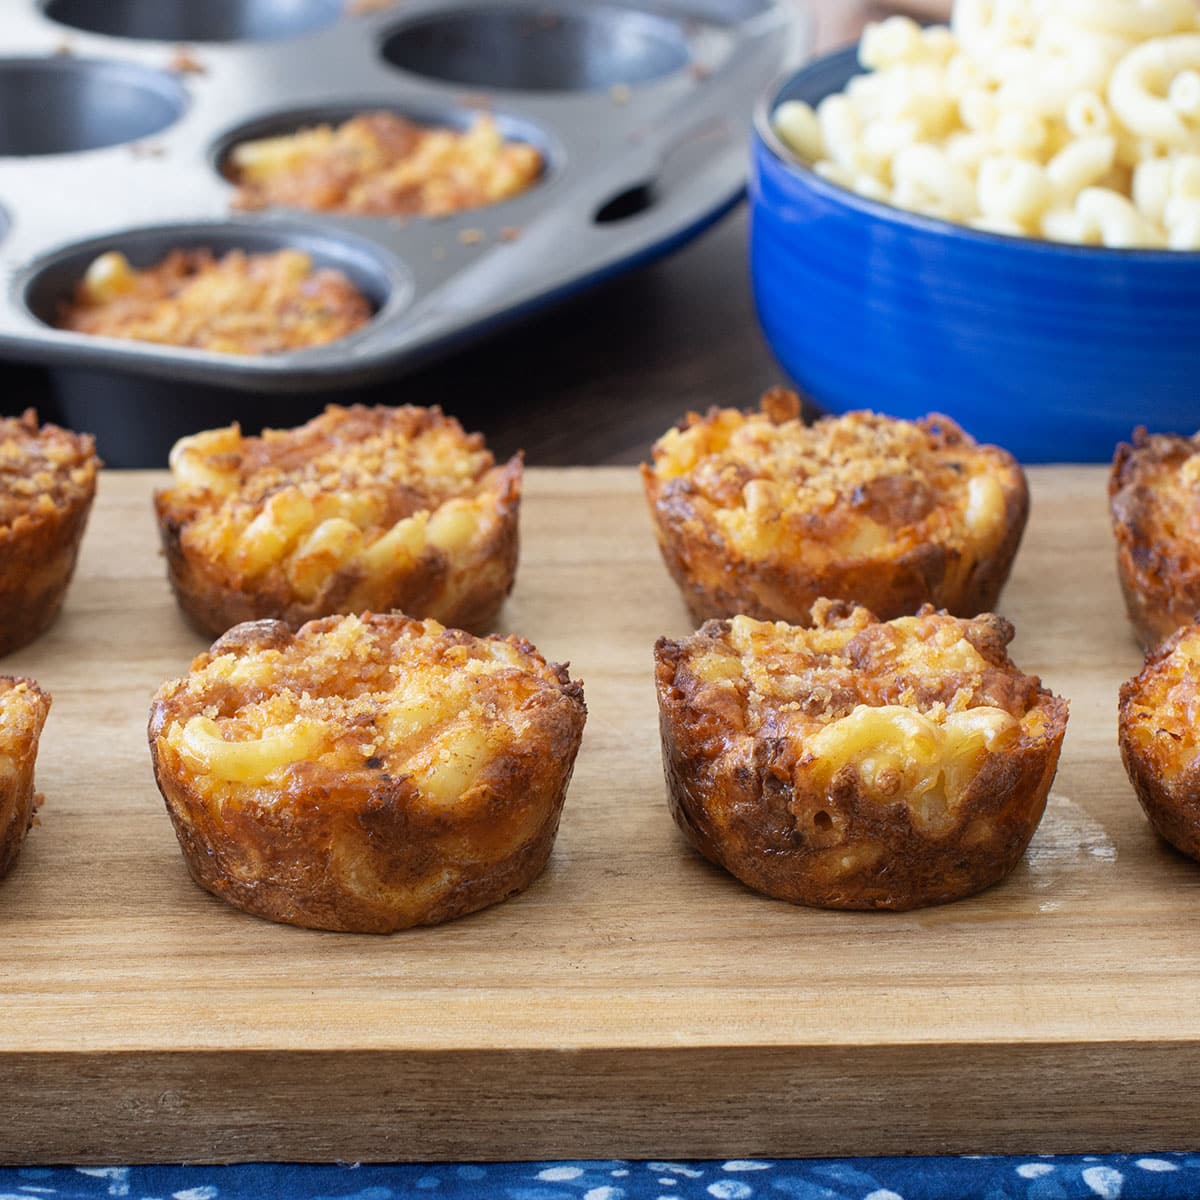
[636, 1002]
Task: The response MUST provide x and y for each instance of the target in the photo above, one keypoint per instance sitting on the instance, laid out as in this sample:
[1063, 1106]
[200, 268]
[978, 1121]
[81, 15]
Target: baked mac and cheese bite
[23, 711]
[248, 304]
[1154, 497]
[759, 515]
[1160, 740]
[857, 764]
[361, 508]
[380, 164]
[367, 773]
[47, 484]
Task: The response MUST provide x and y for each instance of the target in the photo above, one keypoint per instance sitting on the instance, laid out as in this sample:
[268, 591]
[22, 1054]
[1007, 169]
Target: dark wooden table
[598, 379]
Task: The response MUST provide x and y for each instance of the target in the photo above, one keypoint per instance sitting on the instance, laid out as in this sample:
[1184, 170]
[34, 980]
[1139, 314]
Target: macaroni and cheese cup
[857, 764]
[366, 774]
[23, 711]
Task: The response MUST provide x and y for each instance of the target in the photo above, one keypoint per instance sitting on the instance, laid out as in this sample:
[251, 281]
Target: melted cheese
[364, 491]
[237, 304]
[402, 700]
[853, 488]
[379, 163]
[906, 711]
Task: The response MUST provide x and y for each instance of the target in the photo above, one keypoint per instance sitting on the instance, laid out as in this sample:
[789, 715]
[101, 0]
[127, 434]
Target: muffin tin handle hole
[627, 203]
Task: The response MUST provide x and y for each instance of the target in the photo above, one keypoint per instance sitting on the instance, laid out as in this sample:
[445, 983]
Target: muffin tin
[112, 136]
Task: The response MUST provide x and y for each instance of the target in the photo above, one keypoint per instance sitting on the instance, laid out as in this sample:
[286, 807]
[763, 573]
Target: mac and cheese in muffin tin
[23, 711]
[857, 764]
[366, 774]
[1154, 497]
[1159, 742]
[47, 484]
[1076, 122]
[361, 508]
[759, 515]
[381, 164]
[245, 304]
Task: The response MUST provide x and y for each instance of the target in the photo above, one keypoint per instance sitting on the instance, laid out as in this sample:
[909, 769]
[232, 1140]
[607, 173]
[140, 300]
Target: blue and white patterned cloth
[1117, 1177]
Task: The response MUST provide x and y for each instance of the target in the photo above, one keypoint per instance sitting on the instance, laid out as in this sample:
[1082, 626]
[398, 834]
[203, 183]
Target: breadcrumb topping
[370, 697]
[43, 471]
[380, 164]
[1156, 499]
[372, 487]
[249, 304]
[906, 710]
[846, 488]
[1162, 713]
[794, 680]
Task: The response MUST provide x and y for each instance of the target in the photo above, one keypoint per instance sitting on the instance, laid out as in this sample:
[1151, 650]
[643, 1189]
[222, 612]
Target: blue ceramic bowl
[1055, 352]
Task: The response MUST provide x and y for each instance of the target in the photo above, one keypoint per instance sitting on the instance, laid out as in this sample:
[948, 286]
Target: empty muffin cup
[193, 21]
[539, 49]
[67, 105]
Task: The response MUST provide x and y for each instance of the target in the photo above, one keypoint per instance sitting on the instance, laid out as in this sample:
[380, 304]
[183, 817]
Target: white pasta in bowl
[992, 220]
[1072, 121]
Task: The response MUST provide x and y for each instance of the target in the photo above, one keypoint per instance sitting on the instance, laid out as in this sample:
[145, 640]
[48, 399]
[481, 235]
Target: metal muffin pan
[641, 110]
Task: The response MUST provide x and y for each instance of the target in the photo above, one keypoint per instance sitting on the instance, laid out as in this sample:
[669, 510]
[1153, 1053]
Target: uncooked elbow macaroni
[1070, 120]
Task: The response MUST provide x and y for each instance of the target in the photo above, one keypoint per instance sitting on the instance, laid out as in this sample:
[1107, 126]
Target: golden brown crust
[380, 164]
[237, 304]
[366, 775]
[757, 515]
[857, 764]
[361, 508]
[1154, 498]
[23, 710]
[1158, 738]
[47, 484]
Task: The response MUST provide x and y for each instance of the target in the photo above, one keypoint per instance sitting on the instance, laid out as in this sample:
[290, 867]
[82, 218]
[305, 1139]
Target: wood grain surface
[636, 1002]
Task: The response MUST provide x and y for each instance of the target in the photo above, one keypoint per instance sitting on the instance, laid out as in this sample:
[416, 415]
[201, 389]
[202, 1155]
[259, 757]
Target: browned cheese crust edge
[289, 848]
[696, 555]
[1171, 806]
[766, 848]
[212, 602]
[18, 797]
[1161, 586]
[38, 553]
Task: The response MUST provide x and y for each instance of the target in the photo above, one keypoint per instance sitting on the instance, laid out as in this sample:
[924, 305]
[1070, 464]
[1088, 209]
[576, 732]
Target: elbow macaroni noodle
[1070, 120]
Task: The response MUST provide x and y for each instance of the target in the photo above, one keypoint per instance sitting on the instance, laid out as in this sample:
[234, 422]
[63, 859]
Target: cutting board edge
[691, 1103]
